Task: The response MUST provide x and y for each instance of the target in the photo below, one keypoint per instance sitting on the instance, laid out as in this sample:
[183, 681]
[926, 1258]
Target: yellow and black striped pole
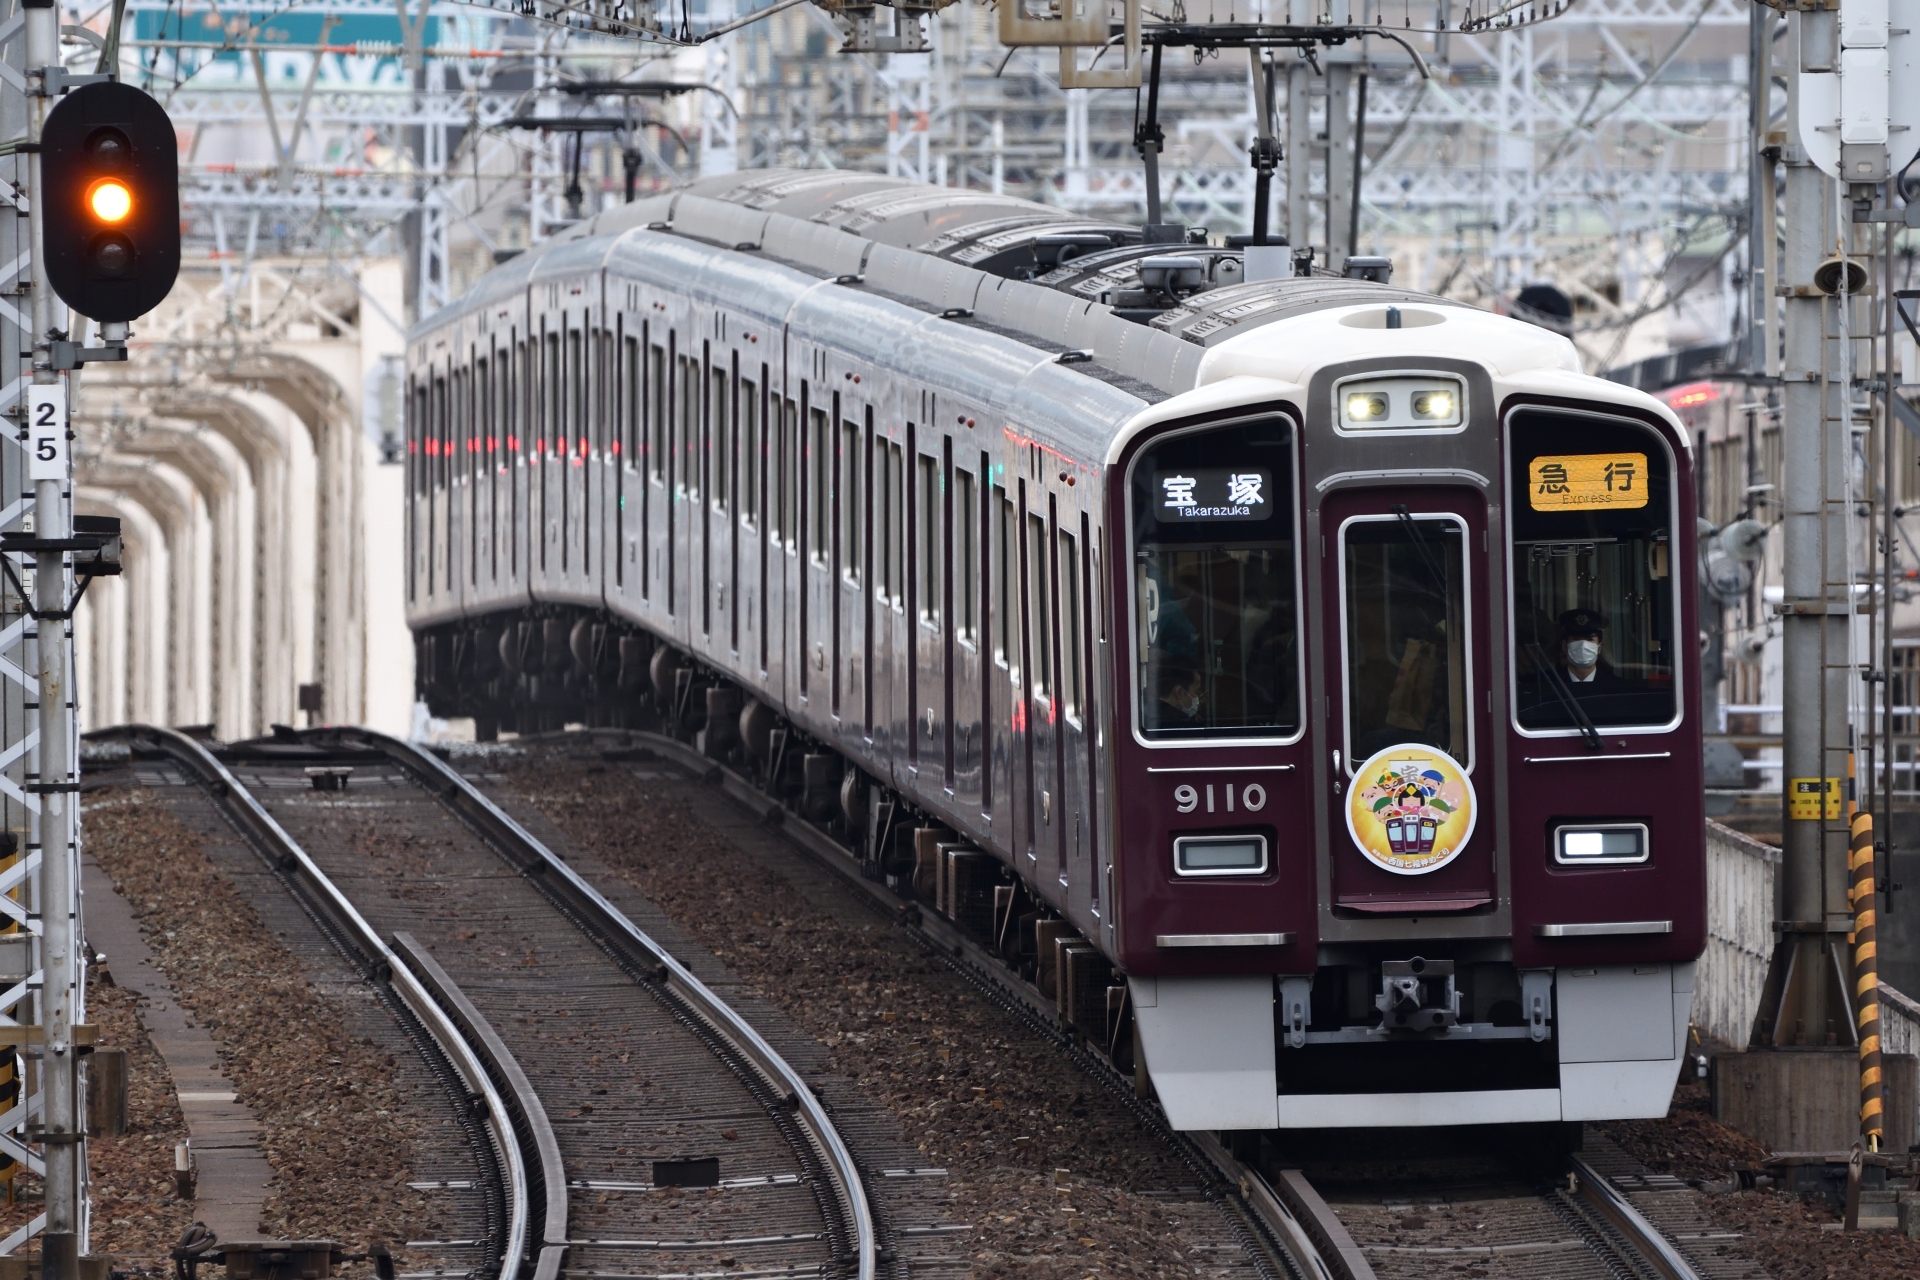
[1866, 973]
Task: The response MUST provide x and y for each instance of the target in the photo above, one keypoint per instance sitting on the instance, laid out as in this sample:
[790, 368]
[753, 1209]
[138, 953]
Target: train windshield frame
[1591, 554]
[1213, 527]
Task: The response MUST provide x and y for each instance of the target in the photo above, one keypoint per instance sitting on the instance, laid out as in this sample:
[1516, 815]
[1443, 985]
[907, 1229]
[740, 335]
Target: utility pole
[1812, 1074]
[58, 789]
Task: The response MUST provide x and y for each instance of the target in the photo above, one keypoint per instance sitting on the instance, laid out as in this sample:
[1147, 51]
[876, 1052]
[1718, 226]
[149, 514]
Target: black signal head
[109, 165]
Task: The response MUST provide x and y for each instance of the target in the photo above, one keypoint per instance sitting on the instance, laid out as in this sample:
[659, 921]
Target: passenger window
[820, 526]
[851, 503]
[555, 431]
[1406, 633]
[688, 479]
[749, 453]
[928, 503]
[657, 410]
[790, 480]
[1004, 587]
[1039, 588]
[966, 528]
[630, 431]
[1070, 624]
[1593, 584]
[573, 442]
[1214, 607]
[896, 526]
[720, 414]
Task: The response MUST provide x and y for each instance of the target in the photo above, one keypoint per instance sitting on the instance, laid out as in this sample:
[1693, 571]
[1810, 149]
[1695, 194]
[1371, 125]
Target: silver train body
[836, 467]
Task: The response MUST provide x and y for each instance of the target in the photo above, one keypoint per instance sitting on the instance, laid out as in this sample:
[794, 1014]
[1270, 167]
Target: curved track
[594, 1051]
[1587, 1228]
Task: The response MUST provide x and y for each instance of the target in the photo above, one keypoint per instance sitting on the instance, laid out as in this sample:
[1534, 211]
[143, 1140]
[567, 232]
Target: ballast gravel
[335, 1126]
[1051, 1176]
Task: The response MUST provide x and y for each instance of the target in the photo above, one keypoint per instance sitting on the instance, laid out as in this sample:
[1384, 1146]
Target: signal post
[104, 238]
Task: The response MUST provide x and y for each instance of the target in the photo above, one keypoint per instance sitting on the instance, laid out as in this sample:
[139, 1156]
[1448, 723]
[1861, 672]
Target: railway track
[1572, 1221]
[587, 1049]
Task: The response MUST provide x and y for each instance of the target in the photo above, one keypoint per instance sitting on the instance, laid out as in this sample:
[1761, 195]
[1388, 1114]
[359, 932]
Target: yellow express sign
[1585, 481]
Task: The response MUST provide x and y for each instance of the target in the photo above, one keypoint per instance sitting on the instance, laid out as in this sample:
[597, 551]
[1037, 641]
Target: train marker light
[110, 167]
[1609, 845]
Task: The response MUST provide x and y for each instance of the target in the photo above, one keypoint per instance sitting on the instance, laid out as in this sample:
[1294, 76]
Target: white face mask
[1583, 653]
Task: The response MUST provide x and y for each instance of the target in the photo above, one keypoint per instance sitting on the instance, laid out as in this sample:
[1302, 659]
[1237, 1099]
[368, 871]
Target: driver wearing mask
[1580, 634]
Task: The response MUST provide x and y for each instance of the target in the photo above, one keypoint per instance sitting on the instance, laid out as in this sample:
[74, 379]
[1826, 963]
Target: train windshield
[1217, 631]
[1406, 633]
[1593, 592]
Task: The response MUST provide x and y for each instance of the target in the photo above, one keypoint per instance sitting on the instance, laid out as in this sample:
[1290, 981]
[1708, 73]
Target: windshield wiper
[1433, 566]
[1588, 732]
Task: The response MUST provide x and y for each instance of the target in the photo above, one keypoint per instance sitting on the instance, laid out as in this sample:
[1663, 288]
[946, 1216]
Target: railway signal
[110, 171]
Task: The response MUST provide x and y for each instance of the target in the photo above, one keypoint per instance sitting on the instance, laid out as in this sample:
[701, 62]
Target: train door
[1406, 643]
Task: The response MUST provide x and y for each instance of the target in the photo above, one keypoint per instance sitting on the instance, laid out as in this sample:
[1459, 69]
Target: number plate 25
[47, 431]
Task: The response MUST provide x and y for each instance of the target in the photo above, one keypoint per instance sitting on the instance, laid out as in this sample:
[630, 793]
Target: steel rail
[470, 803]
[1618, 1212]
[1303, 1229]
[467, 1056]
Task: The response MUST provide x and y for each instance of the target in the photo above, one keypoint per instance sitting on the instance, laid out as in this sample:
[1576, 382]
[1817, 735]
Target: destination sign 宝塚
[1214, 493]
[1584, 481]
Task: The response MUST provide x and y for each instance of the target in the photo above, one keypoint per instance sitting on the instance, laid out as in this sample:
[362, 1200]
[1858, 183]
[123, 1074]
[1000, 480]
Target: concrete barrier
[1741, 876]
[1742, 879]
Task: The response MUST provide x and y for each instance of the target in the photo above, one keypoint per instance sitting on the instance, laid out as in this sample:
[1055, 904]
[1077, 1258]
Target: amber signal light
[109, 158]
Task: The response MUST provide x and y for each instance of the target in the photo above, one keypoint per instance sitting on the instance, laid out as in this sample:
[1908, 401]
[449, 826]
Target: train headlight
[1609, 844]
[1401, 402]
[1240, 855]
[1366, 406]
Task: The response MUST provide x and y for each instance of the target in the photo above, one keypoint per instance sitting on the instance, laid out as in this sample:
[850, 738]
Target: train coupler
[1417, 995]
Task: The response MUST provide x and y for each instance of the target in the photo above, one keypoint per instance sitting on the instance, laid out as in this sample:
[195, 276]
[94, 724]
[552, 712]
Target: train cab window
[1593, 584]
[1405, 632]
[1216, 647]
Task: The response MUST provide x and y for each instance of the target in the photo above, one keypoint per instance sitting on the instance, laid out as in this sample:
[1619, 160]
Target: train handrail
[469, 799]
[1608, 1201]
[460, 1052]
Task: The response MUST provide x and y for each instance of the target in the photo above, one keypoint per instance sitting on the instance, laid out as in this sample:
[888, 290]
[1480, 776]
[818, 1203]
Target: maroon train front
[1289, 677]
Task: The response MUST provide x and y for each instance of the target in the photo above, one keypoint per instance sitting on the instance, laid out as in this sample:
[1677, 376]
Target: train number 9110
[1236, 797]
